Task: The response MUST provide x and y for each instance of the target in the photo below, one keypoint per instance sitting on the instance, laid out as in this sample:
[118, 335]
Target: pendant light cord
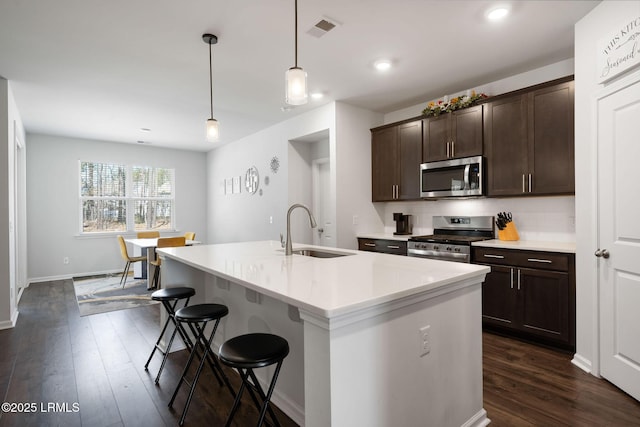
[211, 79]
[296, 31]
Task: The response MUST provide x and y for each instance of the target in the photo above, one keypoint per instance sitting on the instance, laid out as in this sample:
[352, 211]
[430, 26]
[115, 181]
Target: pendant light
[296, 77]
[213, 131]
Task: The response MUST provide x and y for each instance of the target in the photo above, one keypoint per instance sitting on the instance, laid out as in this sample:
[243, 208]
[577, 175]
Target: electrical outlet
[65, 260]
[355, 220]
[270, 219]
[424, 340]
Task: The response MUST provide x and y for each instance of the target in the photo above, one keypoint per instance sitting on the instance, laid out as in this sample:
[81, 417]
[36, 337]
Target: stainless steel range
[452, 237]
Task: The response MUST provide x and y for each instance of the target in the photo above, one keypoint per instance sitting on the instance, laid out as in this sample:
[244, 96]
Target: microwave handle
[467, 184]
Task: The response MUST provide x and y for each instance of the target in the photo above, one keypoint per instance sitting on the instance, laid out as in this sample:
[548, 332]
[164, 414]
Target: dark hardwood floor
[97, 362]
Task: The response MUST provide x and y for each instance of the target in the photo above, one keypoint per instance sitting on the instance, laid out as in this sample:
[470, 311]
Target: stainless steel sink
[319, 254]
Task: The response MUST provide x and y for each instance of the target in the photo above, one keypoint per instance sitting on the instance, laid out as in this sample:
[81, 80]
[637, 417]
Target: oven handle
[435, 254]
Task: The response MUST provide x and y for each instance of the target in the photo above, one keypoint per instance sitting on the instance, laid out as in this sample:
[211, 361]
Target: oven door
[452, 178]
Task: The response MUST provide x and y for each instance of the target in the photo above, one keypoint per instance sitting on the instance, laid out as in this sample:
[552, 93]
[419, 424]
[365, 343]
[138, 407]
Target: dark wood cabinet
[529, 294]
[529, 141]
[396, 153]
[453, 135]
[387, 246]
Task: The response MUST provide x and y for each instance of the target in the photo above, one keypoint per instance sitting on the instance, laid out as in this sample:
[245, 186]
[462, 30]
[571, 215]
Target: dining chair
[130, 260]
[148, 234]
[190, 235]
[165, 242]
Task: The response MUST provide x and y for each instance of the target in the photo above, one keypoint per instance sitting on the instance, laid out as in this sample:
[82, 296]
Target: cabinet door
[551, 137]
[466, 132]
[435, 138]
[499, 297]
[544, 303]
[410, 155]
[505, 126]
[384, 164]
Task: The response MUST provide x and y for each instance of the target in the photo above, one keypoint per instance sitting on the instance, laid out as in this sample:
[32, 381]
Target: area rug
[100, 294]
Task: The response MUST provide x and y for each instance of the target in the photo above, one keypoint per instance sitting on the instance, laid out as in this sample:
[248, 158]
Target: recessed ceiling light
[497, 13]
[382, 64]
[317, 95]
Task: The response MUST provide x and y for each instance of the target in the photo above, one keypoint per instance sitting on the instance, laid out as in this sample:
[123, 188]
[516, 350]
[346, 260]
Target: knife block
[510, 232]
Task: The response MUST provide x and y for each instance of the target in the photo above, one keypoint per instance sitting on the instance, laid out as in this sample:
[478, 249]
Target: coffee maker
[403, 223]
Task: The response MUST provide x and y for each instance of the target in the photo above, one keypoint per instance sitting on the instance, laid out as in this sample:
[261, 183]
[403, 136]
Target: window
[119, 198]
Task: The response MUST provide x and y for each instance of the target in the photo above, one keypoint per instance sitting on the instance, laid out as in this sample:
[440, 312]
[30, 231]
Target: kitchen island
[375, 339]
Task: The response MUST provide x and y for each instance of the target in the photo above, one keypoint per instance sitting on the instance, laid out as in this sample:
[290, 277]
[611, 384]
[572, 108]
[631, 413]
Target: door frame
[606, 91]
[315, 189]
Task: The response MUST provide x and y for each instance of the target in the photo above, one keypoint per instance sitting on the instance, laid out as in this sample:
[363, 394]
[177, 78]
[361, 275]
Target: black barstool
[250, 351]
[196, 317]
[169, 297]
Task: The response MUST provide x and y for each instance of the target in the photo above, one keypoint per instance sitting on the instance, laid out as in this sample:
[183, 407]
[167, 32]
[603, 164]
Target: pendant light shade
[296, 77]
[296, 80]
[213, 130]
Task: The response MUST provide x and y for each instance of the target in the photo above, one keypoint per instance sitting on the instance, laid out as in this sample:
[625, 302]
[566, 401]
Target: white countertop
[326, 286]
[529, 245]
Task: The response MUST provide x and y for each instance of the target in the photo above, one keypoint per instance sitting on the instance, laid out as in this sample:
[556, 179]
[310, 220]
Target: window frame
[129, 198]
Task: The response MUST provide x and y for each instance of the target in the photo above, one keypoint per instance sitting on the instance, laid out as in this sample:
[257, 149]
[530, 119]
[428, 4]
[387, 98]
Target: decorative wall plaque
[251, 180]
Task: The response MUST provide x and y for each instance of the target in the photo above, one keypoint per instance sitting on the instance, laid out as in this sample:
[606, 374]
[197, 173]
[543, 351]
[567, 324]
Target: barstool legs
[170, 309]
[266, 399]
[201, 340]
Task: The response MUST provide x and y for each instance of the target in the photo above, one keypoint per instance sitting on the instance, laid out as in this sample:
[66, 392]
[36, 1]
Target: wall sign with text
[620, 50]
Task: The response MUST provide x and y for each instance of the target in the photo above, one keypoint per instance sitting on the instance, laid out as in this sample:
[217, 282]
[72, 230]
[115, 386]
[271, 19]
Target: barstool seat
[250, 351]
[196, 318]
[169, 297]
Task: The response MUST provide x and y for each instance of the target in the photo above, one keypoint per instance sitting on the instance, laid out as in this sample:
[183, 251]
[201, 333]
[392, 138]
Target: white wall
[588, 31]
[353, 174]
[53, 201]
[245, 217]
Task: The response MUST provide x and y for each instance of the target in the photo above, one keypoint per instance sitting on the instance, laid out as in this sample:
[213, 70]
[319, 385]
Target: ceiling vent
[322, 27]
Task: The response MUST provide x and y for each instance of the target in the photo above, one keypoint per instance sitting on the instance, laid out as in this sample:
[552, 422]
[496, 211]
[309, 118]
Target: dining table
[146, 247]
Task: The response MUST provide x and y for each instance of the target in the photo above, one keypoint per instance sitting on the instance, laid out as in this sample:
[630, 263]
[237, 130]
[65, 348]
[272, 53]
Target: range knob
[457, 250]
[449, 248]
[436, 247]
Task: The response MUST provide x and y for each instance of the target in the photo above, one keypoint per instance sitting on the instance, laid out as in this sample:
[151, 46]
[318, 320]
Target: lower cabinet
[396, 247]
[529, 294]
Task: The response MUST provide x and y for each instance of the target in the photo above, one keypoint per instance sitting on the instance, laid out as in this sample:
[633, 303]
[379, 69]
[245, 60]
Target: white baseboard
[70, 276]
[582, 363]
[478, 420]
[8, 324]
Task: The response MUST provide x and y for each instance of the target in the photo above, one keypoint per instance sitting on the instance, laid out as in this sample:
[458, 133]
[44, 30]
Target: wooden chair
[190, 235]
[165, 242]
[148, 234]
[128, 259]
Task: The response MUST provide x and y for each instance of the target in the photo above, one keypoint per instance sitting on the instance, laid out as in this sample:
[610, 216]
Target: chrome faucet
[312, 221]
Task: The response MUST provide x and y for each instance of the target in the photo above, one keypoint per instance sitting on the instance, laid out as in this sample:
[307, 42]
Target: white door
[619, 235]
[324, 234]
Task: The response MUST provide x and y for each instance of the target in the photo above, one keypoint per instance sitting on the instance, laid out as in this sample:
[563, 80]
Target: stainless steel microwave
[452, 178]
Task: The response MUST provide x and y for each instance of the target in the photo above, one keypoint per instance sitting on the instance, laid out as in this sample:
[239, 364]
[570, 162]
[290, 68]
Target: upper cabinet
[529, 142]
[396, 153]
[452, 135]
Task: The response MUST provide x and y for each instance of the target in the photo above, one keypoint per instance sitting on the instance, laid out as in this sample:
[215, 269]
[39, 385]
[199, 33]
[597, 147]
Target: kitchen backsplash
[537, 218]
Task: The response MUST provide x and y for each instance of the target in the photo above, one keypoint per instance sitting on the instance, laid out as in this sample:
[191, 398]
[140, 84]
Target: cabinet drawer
[526, 259]
[395, 247]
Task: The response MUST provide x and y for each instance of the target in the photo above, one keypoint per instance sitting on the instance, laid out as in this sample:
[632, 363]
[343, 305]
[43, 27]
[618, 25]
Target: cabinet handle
[393, 246]
[545, 261]
[530, 183]
[372, 245]
[453, 148]
[447, 149]
[511, 269]
[518, 279]
[493, 256]
[523, 185]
